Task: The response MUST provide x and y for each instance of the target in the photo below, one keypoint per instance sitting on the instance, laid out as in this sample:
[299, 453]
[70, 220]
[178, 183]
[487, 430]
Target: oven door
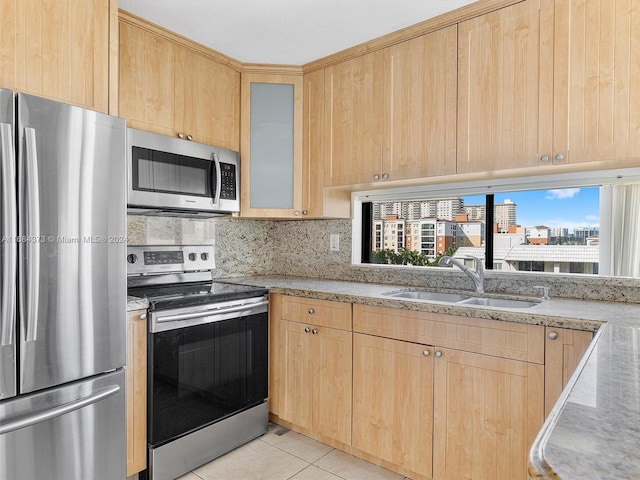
[201, 374]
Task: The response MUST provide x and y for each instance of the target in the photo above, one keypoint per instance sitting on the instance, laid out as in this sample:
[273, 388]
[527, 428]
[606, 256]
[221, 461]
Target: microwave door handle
[218, 184]
[9, 233]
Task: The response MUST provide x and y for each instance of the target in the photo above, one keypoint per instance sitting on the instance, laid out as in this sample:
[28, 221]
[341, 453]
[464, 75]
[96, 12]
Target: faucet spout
[476, 274]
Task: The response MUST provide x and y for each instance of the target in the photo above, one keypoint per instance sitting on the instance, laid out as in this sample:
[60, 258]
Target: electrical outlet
[334, 242]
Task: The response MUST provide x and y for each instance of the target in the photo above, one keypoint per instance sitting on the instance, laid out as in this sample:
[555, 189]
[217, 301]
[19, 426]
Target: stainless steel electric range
[207, 357]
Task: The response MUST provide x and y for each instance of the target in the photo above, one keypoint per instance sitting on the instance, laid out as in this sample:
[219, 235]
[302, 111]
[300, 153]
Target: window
[556, 230]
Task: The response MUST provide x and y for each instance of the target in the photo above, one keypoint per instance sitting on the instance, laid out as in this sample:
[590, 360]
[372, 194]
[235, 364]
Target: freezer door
[8, 246]
[72, 227]
[77, 431]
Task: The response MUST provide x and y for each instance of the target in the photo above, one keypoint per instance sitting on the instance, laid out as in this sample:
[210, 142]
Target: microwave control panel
[228, 181]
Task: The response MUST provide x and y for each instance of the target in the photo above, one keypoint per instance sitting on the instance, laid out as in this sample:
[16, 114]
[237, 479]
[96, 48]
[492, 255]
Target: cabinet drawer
[518, 341]
[325, 313]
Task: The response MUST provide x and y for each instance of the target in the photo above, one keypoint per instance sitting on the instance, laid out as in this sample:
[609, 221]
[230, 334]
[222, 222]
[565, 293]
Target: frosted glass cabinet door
[271, 145]
[272, 161]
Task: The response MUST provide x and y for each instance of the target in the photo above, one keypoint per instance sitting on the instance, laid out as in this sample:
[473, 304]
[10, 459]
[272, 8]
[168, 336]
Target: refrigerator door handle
[32, 235]
[9, 231]
[60, 410]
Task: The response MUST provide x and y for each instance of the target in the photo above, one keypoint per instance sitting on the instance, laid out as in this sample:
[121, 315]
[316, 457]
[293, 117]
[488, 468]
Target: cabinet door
[208, 100]
[136, 391]
[564, 348]
[420, 106]
[597, 79]
[271, 145]
[296, 399]
[313, 144]
[393, 402]
[505, 88]
[487, 412]
[57, 49]
[147, 80]
[331, 382]
[353, 120]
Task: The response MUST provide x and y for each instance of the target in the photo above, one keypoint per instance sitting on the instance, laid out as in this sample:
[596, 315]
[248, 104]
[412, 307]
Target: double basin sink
[460, 299]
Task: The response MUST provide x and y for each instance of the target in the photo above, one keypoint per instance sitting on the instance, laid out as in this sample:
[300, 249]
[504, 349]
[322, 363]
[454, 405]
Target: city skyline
[553, 208]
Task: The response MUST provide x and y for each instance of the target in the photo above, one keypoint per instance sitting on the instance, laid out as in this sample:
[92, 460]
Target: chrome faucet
[476, 275]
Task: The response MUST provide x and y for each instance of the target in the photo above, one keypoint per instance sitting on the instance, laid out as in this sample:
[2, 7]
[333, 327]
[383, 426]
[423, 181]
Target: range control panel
[152, 259]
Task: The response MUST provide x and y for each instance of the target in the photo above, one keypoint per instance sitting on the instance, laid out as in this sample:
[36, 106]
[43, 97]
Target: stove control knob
[204, 256]
[132, 258]
[193, 257]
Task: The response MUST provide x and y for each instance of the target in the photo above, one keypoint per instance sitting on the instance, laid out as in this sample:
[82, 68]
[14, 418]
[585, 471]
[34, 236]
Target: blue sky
[566, 207]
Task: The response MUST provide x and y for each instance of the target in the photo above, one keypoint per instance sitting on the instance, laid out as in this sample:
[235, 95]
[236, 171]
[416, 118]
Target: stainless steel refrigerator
[63, 291]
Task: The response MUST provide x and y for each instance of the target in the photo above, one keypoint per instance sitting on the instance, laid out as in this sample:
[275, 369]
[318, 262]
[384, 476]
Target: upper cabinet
[544, 82]
[271, 146]
[169, 88]
[505, 88]
[391, 114]
[59, 49]
[597, 80]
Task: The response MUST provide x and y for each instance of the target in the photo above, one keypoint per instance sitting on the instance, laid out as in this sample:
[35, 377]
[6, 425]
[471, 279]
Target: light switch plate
[334, 242]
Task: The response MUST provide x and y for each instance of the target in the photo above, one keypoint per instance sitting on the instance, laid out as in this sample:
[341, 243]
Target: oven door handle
[204, 313]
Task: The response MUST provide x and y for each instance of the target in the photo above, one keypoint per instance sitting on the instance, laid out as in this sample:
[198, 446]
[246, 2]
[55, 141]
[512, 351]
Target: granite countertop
[136, 303]
[594, 429]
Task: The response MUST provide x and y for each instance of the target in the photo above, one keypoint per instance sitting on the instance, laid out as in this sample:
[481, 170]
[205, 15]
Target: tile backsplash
[301, 248]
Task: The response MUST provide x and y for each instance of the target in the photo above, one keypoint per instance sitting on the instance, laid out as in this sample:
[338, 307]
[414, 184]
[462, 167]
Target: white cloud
[562, 193]
[592, 218]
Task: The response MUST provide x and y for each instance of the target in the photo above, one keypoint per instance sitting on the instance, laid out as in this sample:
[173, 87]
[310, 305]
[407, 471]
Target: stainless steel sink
[431, 296]
[427, 295]
[499, 302]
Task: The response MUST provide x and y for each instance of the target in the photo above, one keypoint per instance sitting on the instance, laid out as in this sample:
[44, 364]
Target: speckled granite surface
[135, 303]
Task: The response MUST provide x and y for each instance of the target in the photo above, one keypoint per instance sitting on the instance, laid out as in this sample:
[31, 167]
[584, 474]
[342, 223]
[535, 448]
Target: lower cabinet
[316, 368]
[427, 395]
[564, 348]
[393, 402]
[487, 412]
[136, 373]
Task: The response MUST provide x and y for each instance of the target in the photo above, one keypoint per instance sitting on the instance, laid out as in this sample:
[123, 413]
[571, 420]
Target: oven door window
[162, 172]
[202, 374]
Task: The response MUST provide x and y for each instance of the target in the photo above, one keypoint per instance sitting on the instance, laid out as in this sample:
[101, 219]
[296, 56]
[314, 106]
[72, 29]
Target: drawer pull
[314, 331]
[552, 335]
[311, 311]
[438, 354]
[307, 329]
[425, 353]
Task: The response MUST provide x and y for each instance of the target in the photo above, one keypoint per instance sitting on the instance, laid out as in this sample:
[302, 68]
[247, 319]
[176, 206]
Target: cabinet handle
[376, 176]
[180, 135]
[296, 213]
[425, 353]
[304, 212]
[307, 329]
[314, 331]
[385, 176]
[142, 316]
[438, 354]
[552, 335]
[544, 158]
[190, 137]
[311, 311]
[559, 157]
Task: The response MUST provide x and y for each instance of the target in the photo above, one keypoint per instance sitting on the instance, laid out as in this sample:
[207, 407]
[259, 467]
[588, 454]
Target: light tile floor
[281, 454]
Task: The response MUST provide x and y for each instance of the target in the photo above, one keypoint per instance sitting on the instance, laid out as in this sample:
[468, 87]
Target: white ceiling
[290, 32]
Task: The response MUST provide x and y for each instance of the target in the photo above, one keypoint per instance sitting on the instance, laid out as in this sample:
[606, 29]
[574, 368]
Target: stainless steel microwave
[170, 176]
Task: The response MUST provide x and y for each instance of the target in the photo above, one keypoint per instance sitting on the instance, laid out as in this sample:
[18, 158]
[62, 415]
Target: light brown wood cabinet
[315, 368]
[256, 166]
[136, 373]
[393, 403]
[547, 82]
[173, 89]
[487, 412]
[487, 381]
[564, 348]
[391, 114]
[59, 49]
